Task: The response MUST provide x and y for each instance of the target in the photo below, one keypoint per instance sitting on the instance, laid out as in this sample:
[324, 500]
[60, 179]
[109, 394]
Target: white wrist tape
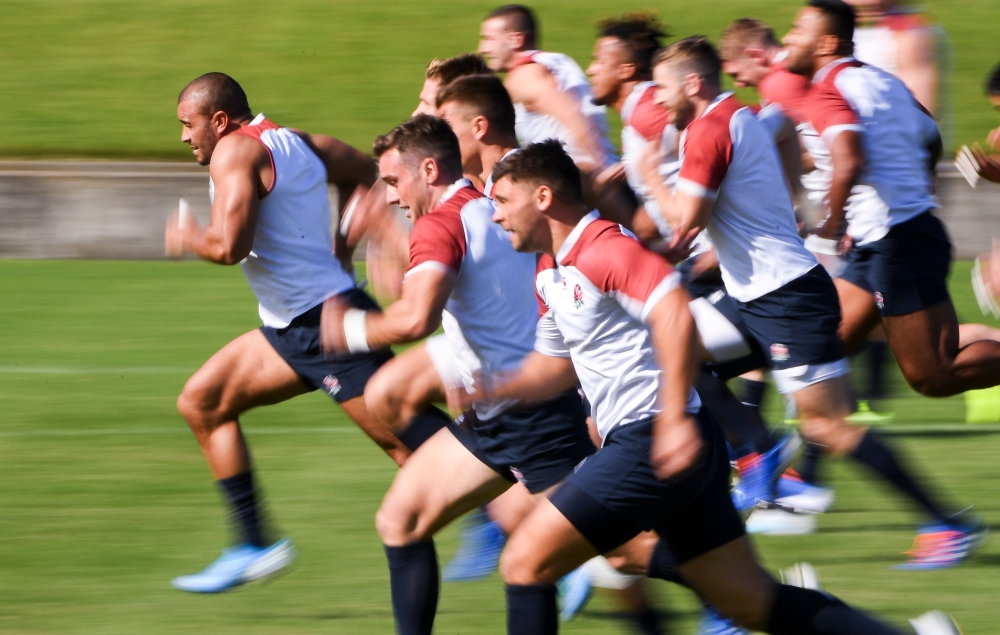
[818, 245]
[356, 330]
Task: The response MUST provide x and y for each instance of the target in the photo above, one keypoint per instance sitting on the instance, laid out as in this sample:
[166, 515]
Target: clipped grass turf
[105, 496]
[100, 78]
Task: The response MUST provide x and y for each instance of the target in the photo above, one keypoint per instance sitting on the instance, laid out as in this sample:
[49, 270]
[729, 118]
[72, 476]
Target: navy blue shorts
[907, 270]
[615, 495]
[710, 286]
[538, 445]
[344, 376]
[796, 325]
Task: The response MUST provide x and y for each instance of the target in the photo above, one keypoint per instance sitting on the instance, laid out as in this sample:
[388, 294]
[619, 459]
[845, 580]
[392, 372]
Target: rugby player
[440, 73]
[610, 304]
[270, 215]
[464, 276]
[729, 173]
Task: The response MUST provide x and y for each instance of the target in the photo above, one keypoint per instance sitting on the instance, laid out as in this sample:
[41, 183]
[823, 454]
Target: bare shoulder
[529, 81]
[237, 154]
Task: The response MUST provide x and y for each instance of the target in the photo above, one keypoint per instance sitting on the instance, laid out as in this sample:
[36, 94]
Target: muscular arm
[539, 376]
[236, 168]
[917, 65]
[534, 86]
[846, 156]
[416, 314]
[687, 214]
[790, 153]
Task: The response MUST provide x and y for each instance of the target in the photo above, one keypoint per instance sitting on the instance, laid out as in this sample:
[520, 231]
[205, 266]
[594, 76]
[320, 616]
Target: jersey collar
[454, 187]
[488, 185]
[718, 100]
[575, 235]
[823, 72]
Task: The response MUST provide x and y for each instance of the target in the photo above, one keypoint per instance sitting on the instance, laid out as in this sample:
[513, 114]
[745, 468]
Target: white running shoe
[778, 522]
[802, 575]
[935, 623]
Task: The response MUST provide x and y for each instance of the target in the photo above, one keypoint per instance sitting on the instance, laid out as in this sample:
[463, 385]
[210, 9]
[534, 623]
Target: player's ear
[543, 198]
[692, 84]
[220, 121]
[429, 170]
[480, 126]
[828, 45]
[516, 40]
[626, 71]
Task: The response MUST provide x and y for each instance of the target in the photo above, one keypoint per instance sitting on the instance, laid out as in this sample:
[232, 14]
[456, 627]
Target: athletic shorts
[727, 330]
[907, 270]
[537, 445]
[796, 325]
[615, 494]
[343, 376]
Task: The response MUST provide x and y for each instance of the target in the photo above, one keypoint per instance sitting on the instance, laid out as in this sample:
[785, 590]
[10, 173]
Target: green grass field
[100, 78]
[105, 496]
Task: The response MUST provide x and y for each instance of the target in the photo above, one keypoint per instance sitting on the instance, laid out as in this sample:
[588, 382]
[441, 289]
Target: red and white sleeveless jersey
[729, 157]
[894, 183]
[491, 312]
[644, 121]
[534, 127]
[595, 296]
[291, 267]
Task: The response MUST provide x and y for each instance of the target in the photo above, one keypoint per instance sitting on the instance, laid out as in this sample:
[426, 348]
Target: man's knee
[384, 398]
[929, 381]
[397, 520]
[517, 566]
[200, 404]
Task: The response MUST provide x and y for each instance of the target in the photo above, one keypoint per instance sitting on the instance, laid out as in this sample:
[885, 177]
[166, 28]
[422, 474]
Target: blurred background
[104, 496]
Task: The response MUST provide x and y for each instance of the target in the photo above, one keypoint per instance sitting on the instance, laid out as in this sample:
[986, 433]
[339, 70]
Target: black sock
[808, 466]
[742, 426]
[241, 496]
[531, 609]
[662, 564]
[753, 393]
[413, 579]
[422, 427]
[876, 355]
[883, 460]
[648, 622]
[805, 612]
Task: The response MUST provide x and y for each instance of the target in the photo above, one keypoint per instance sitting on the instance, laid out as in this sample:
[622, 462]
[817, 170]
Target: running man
[616, 316]
[729, 174]
[270, 215]
[464, 276]
[440, 73]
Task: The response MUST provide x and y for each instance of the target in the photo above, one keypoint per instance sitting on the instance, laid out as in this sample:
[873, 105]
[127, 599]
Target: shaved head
[215, 92]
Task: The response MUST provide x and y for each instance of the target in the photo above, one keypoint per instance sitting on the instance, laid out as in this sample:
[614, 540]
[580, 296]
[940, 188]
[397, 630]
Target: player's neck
[491, 155]
[563, 219]
[438, 189]
[704, 99]
[822, 61]
[623, 94]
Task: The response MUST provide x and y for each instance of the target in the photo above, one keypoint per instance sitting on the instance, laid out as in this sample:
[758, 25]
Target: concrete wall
[118, 209]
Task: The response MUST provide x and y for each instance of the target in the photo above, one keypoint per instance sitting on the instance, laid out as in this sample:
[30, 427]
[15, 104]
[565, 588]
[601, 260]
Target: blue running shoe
[574, 593]
[478, 551]
[711, 623]
[794, 494]
[239, 565]
[758, 472]
[943, 545]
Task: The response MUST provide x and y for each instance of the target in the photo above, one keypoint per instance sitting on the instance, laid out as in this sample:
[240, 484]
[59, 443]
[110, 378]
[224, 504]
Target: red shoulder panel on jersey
[439, 236]
[254, 133]
[616, 263]
[708, 147]
[903, 21]
[545, 262]
[786, 89]
[648, 118]
[523, 59]
[825, 106]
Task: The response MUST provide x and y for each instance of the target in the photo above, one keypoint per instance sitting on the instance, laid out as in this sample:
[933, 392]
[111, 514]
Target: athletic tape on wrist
[356, 330]
[818, 245]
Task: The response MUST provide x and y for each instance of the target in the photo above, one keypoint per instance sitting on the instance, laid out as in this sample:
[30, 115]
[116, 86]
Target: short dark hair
[486, 95]
[448, 70]
[993, 81]
[641, 32]
[215, 92]
[694, 54]
[520, 19]
[423, 137]
[742, 34]
[840, 18]
[544, 163]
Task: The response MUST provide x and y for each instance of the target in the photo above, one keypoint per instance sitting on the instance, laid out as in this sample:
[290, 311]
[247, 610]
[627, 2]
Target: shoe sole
[270, 565]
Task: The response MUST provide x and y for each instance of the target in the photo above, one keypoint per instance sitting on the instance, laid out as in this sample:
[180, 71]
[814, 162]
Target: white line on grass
[99, 432]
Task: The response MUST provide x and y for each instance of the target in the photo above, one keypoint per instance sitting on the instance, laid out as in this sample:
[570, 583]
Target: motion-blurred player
[271, 215]
[465, 276]
[609, 303]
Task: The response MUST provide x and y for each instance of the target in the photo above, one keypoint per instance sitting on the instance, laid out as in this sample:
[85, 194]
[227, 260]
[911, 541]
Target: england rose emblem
[577, 296]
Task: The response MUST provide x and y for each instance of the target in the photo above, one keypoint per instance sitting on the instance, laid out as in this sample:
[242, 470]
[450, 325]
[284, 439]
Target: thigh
[244, 374]
[543, 548]
[859, 313]
[404, 386]
[822, 408]
[924, 342]
[441, 481]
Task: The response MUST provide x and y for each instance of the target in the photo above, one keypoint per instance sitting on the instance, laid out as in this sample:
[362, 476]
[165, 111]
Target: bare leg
[969, 333]
[926, 345]
[403, 388]
[859, 314]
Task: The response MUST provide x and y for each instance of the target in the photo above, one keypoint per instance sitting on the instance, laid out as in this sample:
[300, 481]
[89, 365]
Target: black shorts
[615, 495]
[710, 286]
[538, 445]
[344, 376]
[907, 270]
[796, 325]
